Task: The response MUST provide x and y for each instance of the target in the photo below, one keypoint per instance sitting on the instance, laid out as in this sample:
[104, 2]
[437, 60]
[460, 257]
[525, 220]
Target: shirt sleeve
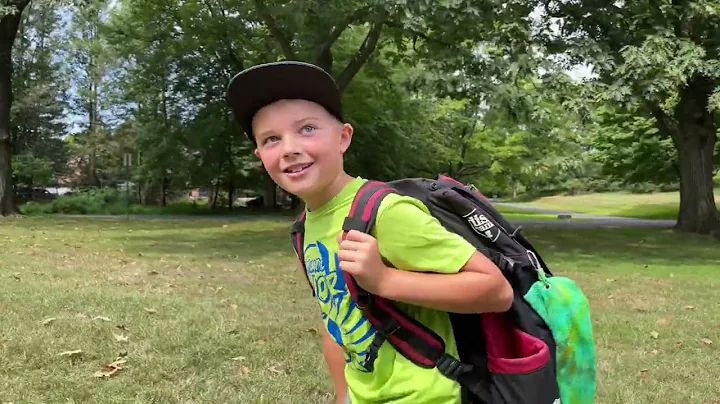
[410, 238]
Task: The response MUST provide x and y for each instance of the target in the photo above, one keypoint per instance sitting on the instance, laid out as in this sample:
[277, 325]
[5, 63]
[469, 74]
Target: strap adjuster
[451, 367]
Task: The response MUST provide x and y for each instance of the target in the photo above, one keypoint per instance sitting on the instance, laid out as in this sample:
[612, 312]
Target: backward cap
[261, 85]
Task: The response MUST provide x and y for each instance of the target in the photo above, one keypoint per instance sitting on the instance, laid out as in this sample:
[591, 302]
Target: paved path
[577, 221]
[584, 220]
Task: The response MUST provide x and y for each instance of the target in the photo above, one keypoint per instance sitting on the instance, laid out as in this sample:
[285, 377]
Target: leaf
[663, 321]
[654, 334]
[243, 370]
[151, 311]
[48, 320]
[72, 354]
[110, 369]
[234, 307]
[275, 370]
[262, 342]
[101, 318]
[239, 358]
[690, 307]
[644, 376]
[120, 338]
[679, 343]
[82, 315]
[706, 341]
[610, 280]
[611, 297]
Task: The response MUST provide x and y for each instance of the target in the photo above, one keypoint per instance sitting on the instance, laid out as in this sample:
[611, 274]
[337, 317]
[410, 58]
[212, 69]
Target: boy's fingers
[351, 245]
[347, 255]
[354, 235]
[349, 267]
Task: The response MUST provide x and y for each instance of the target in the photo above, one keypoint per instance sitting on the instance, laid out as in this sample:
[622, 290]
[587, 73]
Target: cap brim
[259, 86]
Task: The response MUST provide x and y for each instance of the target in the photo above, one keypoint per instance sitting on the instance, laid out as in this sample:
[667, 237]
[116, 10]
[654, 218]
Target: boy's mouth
[294, 169]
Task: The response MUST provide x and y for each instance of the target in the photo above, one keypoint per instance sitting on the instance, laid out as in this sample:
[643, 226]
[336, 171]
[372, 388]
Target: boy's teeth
[298, 169]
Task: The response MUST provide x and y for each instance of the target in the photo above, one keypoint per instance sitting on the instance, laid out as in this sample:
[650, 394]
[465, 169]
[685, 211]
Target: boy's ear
[346, 137]
[257, 153]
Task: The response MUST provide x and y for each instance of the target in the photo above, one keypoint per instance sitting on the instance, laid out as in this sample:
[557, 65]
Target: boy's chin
[302, 189]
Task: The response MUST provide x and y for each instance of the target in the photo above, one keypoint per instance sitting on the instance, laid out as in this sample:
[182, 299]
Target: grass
[661, 205]
[217, 312]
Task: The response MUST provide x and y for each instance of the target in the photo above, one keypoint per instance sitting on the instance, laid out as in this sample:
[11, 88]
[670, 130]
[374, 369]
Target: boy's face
[301, 146]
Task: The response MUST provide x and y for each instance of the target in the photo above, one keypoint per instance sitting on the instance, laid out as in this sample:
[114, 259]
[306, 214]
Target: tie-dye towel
[565, 309]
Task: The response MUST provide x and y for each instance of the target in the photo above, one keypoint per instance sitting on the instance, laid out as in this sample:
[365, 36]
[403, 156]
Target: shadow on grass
[667, 211]
[607, 247]
[234, 242]
[613, 248]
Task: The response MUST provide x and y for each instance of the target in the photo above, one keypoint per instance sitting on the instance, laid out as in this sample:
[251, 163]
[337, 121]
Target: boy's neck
[336, 186]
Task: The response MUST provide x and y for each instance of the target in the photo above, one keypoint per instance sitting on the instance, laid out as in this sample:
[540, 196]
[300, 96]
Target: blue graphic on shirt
[349, 329]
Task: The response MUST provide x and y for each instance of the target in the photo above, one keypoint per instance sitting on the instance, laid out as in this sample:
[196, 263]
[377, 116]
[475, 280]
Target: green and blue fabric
[565, 309]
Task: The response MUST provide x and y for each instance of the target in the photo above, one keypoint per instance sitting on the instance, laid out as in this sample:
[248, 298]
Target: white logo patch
[483, 226]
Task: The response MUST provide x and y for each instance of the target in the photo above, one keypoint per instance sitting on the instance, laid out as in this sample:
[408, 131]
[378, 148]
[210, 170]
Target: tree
[39, 89]
[665, 57]
[344, 36]
[10, 15]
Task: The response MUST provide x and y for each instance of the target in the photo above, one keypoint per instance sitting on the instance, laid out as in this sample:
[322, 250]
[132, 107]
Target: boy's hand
[360, 257]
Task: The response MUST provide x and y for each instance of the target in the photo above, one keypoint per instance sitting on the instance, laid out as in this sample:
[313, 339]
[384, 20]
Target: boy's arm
[335, 359]
[479, 287]
[436, 268]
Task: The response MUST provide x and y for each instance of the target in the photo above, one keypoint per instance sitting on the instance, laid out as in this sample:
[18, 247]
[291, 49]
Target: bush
[96, 201]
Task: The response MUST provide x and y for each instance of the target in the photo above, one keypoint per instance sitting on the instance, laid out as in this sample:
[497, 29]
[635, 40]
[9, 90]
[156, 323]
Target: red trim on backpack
[509, 350]
[359, 195]
[453, 180]
[403, 321]
[446, 178]
[383, 304]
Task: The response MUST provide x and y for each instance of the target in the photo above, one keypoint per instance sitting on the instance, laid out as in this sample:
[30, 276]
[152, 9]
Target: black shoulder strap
[297, 233]
[411, 338]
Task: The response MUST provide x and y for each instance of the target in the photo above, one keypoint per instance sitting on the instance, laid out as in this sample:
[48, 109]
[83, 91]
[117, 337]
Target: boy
[292, 113]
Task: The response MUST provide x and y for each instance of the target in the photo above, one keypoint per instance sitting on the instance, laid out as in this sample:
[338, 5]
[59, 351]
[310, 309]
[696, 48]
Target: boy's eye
[308, 128]
[270, 139]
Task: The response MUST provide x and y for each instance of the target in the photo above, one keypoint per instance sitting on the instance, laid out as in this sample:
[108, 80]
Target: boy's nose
[290, 145]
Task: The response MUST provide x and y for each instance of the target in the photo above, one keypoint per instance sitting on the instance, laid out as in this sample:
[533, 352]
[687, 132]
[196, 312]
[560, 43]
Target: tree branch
[234, 58]
[324, 57]
[665, 124]
[275, 31]
[417, 34]
[364, 52]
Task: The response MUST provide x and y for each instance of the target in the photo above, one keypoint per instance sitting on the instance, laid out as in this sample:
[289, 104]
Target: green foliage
[630, 149]
[96, 201]
[30, 171]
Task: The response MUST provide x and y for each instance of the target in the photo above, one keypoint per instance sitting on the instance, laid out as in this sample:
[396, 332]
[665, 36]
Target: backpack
[541, 351]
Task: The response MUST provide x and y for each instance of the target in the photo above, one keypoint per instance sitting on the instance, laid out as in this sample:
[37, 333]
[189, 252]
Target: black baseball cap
[261, 85]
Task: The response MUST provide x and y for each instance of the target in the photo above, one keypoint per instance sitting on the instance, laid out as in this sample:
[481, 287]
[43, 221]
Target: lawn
[204, 311]
[661, 205]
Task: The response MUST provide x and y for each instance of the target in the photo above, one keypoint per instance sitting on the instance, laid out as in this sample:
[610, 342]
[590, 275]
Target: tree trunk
[163, 192]
[8, 31]
[694, 140]
[270, 192]
[216, 192]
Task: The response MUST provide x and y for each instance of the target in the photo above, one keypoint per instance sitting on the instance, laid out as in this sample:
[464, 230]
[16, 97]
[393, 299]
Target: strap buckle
[451, 367]
[383, 333]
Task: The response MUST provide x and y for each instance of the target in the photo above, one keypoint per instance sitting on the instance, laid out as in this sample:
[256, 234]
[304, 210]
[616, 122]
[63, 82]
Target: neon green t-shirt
[411, 239]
